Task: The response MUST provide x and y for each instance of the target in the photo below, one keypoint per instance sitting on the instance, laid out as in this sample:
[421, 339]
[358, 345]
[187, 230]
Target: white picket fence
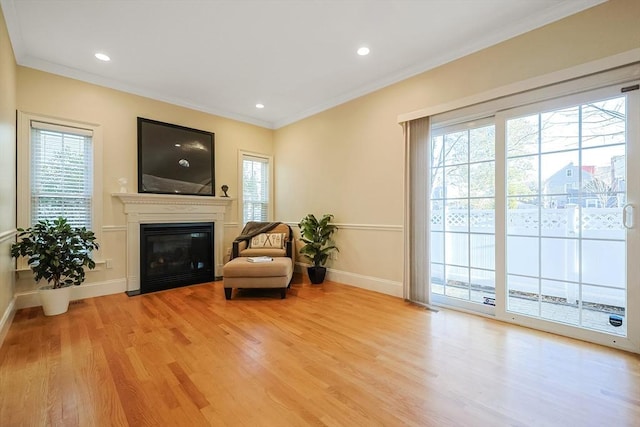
[598, 259]
[527, 221]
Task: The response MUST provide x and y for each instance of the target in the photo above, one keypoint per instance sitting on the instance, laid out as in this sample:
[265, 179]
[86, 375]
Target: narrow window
[256, 177]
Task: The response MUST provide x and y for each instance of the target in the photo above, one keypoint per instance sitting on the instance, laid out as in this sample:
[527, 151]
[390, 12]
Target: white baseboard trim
[376, 284]
[88, 290]
[7, 318]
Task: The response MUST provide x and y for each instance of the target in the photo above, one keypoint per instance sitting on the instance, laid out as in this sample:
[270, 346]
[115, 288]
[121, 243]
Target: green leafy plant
[56, 251]
[317, 238]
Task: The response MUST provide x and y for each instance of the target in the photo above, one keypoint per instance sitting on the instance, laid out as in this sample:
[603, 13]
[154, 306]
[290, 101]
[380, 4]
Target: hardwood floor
[330, 355]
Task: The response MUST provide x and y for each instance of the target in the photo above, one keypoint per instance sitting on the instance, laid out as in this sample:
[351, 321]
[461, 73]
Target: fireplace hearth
[175, 254]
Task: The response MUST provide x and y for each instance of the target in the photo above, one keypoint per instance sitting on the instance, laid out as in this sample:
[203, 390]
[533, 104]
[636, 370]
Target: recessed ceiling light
[363, 51]
[102, 57]
[259, 105]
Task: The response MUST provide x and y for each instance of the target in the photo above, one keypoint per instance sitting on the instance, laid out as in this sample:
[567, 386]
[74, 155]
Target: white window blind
[61, 173]
[255, 188]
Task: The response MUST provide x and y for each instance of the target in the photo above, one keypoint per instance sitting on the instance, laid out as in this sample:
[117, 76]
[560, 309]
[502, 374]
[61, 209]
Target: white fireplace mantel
[146, 208]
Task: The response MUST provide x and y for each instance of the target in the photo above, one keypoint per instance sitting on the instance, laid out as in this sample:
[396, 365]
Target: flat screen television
[175, 159]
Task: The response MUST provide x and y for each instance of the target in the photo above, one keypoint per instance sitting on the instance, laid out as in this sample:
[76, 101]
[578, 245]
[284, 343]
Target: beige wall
[116, 112]
[7, 171]
[349, 160]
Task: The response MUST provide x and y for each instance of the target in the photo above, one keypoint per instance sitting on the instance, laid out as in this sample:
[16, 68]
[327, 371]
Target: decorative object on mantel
[224, 189]
[318, 244]
[57, 253]
[123, 184]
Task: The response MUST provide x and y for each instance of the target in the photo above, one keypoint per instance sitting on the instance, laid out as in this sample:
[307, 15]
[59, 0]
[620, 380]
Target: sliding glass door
[568, 211]
[533, 210]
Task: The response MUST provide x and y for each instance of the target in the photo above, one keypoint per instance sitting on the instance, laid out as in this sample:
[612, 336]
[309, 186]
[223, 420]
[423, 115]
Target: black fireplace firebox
[174, 255]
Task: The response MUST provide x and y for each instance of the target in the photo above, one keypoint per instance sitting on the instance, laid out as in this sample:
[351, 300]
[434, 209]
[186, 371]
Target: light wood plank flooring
[330, 355]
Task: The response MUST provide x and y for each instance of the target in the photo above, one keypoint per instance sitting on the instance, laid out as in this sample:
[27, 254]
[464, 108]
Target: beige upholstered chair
[258, 239]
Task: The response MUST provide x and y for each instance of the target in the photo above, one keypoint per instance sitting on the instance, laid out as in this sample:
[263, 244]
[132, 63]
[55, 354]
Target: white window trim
[269, 158]
[23, 181]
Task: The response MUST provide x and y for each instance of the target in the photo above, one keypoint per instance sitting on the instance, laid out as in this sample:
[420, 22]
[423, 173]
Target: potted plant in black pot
[318, 244]
[58, 253]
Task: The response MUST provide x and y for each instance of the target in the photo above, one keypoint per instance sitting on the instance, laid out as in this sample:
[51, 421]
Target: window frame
[521, 104]
[242, 154]
[631, 341]
[444, 298]
[23, 179]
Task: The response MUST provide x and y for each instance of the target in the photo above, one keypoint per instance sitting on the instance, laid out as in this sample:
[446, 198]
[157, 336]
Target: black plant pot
[316, 274]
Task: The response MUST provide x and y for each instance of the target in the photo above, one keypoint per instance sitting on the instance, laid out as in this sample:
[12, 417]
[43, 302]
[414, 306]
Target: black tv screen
[175, 159]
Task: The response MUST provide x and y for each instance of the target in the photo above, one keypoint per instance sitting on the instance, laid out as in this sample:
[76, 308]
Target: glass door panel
[566, 187]
[462, 233]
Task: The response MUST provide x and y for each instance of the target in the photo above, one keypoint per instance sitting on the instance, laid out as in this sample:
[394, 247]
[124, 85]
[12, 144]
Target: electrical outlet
[108, 263]
[333, 255]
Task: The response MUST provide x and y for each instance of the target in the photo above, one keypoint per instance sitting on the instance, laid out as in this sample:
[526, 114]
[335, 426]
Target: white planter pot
[54, 301]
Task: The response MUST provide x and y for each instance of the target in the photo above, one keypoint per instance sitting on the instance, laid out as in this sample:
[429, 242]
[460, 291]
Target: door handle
[627, 216]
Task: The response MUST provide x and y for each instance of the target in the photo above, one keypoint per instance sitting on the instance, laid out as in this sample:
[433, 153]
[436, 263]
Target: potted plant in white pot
[318, 244]
[57, 253]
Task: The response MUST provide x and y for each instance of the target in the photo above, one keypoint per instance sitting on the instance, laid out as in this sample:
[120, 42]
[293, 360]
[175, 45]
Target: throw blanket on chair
[253, 228]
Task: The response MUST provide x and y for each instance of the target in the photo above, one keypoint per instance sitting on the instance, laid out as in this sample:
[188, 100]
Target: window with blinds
[255, 188]
[61, 173]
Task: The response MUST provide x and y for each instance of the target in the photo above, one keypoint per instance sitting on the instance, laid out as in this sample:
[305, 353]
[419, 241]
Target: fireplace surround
[145, 208]
[174, 255]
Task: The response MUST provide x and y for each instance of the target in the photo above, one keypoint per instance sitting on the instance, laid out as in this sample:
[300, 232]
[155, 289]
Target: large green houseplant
[318, 244]
[57, 253]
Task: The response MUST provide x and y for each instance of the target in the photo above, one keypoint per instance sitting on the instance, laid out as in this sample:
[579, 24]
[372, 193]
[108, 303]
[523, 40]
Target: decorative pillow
[268, 240]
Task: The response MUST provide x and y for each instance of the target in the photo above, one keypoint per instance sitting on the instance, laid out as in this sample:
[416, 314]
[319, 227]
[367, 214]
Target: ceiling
[297, 57]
